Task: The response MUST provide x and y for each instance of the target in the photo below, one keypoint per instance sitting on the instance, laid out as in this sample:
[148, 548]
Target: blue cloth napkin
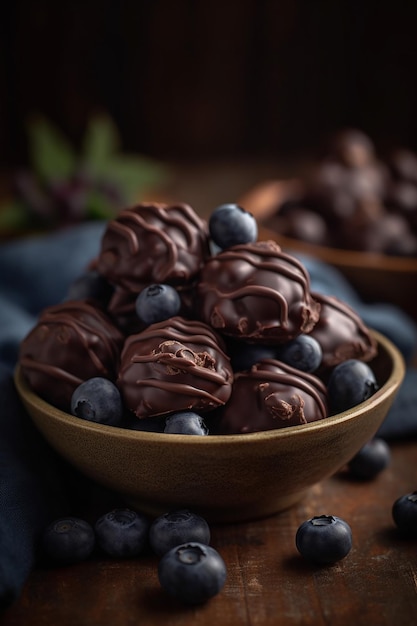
[35, 273]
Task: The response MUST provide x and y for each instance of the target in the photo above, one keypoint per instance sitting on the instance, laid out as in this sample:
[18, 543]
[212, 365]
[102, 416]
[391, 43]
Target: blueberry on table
[176, 527]
[230, 225]
[68, 540]
[350, 383]
[404, 513]
[324, 539]
[98, 400]
[185, 423]
[157, 303]
[371, 459]
[192, 572]
[303, 353]
[122, 533]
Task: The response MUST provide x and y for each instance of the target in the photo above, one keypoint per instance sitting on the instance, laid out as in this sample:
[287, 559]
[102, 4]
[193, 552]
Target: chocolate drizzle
[341, 333]
[153, 243]
[257, 292]
[273, 395]
[172, 366]
[71, 342]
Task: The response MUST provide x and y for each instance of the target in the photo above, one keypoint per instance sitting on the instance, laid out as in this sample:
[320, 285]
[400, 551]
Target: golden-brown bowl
[225, 478]
[376, 277]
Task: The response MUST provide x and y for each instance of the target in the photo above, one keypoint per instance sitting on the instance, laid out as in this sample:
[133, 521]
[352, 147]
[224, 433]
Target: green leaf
[99, 207]
[101, 142]
[135, 174]
[14, 216]
[51, 154]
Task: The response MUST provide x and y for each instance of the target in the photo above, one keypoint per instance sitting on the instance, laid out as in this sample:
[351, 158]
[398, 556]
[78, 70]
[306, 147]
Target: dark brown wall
[194, 78]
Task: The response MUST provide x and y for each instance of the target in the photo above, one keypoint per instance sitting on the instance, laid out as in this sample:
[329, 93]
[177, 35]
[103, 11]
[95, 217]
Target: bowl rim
[393, 381]
[341, 257]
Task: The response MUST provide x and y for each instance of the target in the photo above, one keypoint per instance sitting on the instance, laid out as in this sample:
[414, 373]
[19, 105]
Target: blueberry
[68, 540]
[350, 383]
[371, 459]
[156, 303]
[192, 572]
[122, 533]
[98, 400]
[324, 539]
[91, 284]
[230, 225]
[243, 355]
[185, 423]
[404, 513]
[303, 353]
[177, 527]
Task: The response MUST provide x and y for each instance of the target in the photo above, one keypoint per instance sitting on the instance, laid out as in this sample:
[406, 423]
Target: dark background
[188, 79]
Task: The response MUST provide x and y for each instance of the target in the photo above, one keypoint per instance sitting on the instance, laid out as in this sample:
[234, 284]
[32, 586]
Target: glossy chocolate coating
[258, 293]
[272, 395]
[341, 333]
[71, 342]
[153, 243]
[172, 366]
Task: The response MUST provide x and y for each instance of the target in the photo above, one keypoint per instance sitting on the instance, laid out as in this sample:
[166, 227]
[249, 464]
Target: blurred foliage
[63, 186]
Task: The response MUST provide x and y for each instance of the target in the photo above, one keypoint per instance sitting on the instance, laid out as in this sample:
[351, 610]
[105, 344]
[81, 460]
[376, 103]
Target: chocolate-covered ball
[258, 293]
[272, 395]
[390, 234]
[403, 165]
[153, 243]
[70, 343]
[172, 366]
[341, 333]
[352, 147]
[301, 223]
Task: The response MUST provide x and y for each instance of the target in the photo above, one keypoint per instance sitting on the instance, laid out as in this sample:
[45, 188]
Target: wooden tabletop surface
[268, 581]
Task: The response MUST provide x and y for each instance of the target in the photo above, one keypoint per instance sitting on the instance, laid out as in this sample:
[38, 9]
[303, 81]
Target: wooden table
[268, 581]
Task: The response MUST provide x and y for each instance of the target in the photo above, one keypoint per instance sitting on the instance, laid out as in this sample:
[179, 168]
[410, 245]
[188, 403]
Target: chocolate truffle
[300, 223]
[258, 293]
[352, 147]
[390, 234]
[70, 343]
[153, 243]
[272, 395]
[172, 366]
[341, 333]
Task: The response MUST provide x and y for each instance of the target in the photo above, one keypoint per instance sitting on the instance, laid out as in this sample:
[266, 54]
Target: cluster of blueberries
[189, 569]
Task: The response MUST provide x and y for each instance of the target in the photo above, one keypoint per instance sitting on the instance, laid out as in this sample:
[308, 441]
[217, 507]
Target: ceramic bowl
[225, 478]
[376, 277]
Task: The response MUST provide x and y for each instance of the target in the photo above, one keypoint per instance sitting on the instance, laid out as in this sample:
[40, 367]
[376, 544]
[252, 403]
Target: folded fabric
[35, 273]
[31, 495]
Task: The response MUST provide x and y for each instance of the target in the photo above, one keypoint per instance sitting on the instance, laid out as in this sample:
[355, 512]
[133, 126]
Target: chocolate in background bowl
[376, 277]
[226, 478]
